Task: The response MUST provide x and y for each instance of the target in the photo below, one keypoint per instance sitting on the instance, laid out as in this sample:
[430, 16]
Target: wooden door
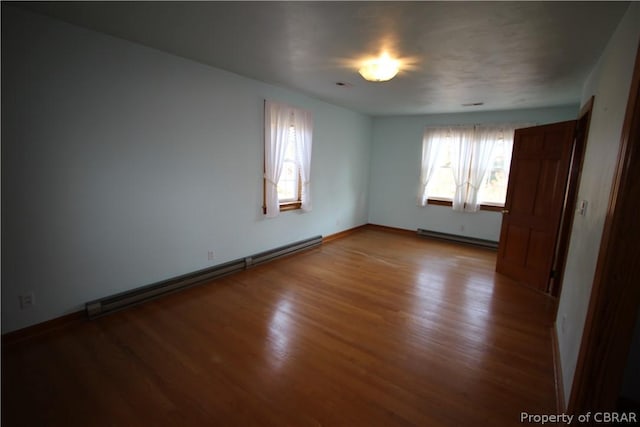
[533, 207]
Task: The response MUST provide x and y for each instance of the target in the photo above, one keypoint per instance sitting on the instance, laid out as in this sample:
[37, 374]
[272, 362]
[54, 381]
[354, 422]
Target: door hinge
[552, 274]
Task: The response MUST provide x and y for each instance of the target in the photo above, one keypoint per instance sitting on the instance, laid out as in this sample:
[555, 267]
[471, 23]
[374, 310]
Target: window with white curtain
[290, 183]
[287, 158]
[466, 166]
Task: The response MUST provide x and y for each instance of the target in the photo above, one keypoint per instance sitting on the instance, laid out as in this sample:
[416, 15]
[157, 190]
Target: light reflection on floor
[431, 293]
[280, 333]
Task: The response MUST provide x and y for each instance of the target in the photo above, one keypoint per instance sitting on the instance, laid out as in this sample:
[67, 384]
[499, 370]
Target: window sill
[484, 207]
[290, 206]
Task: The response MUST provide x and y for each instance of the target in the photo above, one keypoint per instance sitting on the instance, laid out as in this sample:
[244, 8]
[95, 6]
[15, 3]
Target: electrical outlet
[26, 300]
[210, 256]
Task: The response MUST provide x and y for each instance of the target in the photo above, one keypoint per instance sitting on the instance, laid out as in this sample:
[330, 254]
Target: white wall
[609, 82]
[395, 171]
[123, 165]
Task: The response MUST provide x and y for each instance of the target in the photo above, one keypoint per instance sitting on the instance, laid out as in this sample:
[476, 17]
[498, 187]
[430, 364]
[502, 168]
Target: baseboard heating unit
[137, 296]
[458, 239]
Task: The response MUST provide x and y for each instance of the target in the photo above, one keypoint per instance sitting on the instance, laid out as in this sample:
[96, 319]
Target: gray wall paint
[123, 165]
[395, 171]
[609, 82]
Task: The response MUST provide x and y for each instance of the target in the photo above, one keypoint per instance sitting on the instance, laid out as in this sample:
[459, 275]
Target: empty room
[320, 213]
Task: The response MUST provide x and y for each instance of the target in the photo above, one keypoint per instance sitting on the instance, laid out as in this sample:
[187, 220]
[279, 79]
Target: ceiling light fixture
[380, 69]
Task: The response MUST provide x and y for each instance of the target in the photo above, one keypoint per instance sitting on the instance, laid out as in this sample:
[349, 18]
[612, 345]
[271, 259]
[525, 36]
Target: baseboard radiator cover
[458, 239]
[282, 251]
[120, 301]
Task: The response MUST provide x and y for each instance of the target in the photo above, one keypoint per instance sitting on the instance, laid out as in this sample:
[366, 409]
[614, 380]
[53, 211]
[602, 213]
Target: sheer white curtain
[495, 141]
[277, 121]
[303, 123]
[485, 140]
[432, 142]
[473, 148]
[462, 145]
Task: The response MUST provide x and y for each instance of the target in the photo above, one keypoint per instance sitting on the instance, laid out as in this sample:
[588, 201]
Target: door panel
[515, 243]
[535, 196]
[538, 246]
[524, 200]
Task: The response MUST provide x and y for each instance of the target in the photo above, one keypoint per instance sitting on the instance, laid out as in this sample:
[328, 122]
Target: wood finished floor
[374, 329]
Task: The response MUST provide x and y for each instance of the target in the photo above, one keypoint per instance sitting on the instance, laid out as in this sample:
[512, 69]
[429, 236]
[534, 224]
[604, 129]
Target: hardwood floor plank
[375, 329]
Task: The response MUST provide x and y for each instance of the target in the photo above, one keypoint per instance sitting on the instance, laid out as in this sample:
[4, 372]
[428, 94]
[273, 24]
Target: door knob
[505, 211]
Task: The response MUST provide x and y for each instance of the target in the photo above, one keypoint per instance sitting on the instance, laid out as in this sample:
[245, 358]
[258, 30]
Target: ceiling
[507, 55]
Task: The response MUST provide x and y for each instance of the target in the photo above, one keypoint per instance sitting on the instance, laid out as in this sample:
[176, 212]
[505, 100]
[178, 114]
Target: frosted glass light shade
[380, 69]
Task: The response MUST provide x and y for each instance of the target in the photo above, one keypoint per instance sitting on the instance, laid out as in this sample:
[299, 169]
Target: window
[494, 185]
[290, 183]
[287, 159]
[466, 167]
